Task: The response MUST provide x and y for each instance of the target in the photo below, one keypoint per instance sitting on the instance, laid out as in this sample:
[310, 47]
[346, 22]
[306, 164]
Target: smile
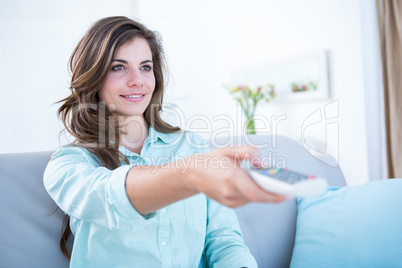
[133, 98]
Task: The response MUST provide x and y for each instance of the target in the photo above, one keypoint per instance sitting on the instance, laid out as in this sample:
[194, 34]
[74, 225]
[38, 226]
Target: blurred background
[207, 45]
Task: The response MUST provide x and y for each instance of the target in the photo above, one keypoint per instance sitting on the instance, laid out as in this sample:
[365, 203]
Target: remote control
[285, 182]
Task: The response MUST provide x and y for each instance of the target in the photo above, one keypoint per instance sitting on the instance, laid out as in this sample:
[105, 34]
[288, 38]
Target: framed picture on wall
[297, 78]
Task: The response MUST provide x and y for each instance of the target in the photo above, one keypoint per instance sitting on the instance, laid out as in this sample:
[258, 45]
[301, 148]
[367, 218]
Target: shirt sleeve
[224, 244]
[88, 192]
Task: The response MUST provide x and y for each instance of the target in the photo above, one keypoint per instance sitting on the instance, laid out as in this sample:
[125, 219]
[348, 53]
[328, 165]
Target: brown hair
[84, 116]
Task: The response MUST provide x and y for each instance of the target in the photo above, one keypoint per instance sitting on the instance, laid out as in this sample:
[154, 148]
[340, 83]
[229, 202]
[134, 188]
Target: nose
[135, 79]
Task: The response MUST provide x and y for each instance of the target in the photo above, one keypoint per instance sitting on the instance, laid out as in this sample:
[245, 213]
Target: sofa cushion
[355, 226]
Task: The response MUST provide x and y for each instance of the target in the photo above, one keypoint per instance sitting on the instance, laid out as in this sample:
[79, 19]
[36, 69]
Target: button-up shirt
[109, 232]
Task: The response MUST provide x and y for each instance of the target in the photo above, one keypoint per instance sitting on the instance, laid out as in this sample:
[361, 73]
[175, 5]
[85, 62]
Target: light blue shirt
[109, 232]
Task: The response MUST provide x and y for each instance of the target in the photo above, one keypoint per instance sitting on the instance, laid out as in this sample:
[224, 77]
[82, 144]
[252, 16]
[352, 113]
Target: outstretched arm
[217, 174]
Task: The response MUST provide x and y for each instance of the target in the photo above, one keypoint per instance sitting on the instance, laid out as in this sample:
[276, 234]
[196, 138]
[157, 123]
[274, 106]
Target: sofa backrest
[30, 226]
[29, 230]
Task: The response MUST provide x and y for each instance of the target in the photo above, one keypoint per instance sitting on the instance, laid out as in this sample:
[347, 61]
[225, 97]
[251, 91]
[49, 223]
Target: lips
[133, 97]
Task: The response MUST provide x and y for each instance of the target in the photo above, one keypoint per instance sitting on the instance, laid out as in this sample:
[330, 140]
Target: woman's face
[130, 81]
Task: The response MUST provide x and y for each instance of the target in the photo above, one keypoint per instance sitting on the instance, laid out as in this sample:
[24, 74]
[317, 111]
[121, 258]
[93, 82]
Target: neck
[135, 131]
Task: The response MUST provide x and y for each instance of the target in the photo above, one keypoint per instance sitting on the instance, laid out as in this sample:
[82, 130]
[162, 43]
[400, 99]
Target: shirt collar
[153, 136]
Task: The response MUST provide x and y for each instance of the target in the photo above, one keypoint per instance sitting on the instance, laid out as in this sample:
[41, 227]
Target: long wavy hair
[84, 116]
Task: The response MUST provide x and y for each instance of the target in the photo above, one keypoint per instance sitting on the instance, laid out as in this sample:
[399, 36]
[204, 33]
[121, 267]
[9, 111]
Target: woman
[135, 188]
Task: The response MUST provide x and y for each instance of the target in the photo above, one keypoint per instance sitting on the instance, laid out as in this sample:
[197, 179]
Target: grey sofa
[30, 225]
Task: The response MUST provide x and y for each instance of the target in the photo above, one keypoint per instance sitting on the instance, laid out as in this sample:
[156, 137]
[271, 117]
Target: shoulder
[73, 153]
[66, 160]
[70, 150]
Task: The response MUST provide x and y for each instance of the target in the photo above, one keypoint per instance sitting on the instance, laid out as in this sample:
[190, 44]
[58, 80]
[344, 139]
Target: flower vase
[250, 126]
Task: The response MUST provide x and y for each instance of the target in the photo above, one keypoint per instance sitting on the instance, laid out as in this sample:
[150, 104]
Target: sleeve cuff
[117, 197]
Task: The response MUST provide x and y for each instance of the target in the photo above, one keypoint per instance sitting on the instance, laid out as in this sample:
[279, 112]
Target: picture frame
[296, 78]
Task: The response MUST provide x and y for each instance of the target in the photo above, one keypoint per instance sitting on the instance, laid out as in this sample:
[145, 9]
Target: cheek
[150, 82]
[152, 91]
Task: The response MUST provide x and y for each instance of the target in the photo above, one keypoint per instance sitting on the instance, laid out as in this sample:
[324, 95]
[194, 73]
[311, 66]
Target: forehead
[136, 48]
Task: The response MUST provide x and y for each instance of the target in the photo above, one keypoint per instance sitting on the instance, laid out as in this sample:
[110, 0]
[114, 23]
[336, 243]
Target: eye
[146, 68]
[117, 68]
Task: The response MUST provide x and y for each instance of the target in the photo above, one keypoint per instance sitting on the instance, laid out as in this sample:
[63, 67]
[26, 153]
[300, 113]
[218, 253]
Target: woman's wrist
[193, 172]
[188, 174]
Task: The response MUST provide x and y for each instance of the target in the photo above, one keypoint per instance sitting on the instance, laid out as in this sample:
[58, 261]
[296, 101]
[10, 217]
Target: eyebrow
[126, 62]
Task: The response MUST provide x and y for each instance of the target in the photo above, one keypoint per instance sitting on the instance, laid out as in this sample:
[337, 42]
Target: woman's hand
[219, 176]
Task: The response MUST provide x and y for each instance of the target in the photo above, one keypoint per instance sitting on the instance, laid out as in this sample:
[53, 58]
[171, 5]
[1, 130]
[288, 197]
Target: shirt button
[164, 210]
[163, 243]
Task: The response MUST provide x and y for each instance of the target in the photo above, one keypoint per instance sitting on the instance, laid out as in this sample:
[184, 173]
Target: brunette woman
[139, 192]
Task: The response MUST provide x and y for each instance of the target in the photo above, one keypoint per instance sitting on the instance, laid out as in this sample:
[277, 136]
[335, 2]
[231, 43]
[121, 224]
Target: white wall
[204, 42]
[36, 41]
